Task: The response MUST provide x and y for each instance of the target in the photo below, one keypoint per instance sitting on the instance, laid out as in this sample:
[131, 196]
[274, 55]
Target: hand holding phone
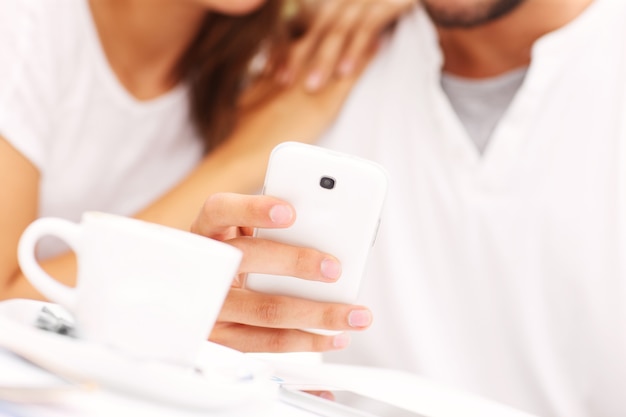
[257, 322]
[338, 200]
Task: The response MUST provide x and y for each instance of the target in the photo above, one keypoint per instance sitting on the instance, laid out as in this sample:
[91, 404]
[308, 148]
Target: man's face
[467, 13]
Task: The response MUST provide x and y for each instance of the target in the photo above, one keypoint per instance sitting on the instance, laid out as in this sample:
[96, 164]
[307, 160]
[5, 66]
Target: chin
[468, 13]
[234, 7]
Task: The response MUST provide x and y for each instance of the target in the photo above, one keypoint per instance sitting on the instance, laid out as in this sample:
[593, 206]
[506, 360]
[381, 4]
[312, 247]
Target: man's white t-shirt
[95, 146]
[503, 274]
[480, 104]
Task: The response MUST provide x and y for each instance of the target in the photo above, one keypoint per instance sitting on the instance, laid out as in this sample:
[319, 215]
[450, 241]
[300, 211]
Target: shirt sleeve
[26, 86]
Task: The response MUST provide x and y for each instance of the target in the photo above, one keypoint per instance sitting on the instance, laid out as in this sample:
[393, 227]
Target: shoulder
[34, 32]
[35, 36]
[28, 24]
[37, 16]
[407, 54]
[607, 17]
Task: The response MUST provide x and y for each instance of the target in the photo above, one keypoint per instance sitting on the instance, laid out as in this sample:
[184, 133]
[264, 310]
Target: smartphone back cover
[342, 221]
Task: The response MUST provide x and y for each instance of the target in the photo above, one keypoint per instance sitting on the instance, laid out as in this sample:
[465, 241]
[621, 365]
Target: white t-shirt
[502, 274]
[480, 104]
[61, 106]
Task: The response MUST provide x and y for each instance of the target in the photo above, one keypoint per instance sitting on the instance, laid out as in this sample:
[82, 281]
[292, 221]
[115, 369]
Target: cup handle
[48, 286]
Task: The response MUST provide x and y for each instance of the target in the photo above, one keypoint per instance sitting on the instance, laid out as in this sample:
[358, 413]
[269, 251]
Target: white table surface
[407, 390]
[98, 402]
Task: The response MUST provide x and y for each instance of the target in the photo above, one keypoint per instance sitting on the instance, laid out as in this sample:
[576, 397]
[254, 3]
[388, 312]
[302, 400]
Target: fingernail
[346, 67]
[314, 81]
[281, 214]
[331, 269]
[341, 341]
[360, 318]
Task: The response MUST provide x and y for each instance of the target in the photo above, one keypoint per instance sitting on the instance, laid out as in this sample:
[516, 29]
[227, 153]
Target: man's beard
[484, 11]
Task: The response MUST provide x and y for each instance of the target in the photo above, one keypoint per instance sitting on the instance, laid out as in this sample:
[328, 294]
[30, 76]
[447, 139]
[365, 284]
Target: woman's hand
[255, 322]
[339, 39]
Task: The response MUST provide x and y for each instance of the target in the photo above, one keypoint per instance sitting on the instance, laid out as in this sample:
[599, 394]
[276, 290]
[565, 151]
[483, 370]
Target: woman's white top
[503, 274]
[95, 146]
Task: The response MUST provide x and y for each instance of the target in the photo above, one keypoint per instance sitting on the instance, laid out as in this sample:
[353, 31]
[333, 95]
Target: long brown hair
[216, 65]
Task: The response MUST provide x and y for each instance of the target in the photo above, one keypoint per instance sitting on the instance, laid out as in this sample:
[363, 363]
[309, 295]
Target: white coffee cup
[144, 289]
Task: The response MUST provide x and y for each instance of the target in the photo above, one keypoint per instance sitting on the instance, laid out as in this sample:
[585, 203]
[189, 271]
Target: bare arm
[239, 164]
[18, 207]
[236, 166]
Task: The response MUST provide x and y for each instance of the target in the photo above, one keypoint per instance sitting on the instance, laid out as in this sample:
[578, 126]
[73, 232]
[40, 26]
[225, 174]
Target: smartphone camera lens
[327, 182]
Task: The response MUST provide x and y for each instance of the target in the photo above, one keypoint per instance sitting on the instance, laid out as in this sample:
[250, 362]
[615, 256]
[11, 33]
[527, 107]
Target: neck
[144, 39]
[506, 43]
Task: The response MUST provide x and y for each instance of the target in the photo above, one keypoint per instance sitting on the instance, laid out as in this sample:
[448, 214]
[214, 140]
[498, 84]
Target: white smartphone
[340, 403]
[338, 200]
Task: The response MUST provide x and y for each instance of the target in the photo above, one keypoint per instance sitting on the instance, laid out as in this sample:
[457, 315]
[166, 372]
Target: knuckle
[268, 312]
[321, 343]
[207, 215]
[255, 209]
[329, 318]
[337, 36]
[278, 341]
[341, 27]
[213, 203]
[304, 264]
[370, 25]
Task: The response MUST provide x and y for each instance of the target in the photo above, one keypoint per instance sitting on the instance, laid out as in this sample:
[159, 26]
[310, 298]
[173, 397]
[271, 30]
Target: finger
[302, 50]
[372, 23]
[279, 312]
[258, 339]
[327, 395]
[332, 46]
[223, 211]
[268, 257]
[363, 38]
[355, 53]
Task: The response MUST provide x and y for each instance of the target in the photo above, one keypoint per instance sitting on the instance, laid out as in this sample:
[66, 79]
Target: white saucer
[228, 378]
